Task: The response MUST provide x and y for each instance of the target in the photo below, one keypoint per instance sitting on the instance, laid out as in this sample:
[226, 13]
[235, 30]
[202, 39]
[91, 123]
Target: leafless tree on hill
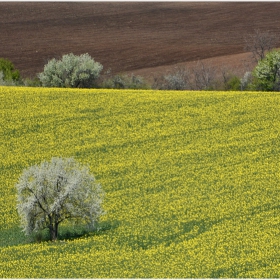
[199, 77]
[204, 76]
[259, 43]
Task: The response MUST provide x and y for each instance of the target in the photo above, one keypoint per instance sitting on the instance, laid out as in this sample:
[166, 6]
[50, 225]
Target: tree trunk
[53, 231]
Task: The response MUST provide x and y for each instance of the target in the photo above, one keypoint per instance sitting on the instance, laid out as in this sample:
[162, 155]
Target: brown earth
[141, 37]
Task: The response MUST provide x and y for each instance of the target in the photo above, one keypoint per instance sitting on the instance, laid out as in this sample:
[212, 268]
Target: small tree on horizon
[72, 71]
[56, 191]
[204, 76]
[178, 80]
[267, 73]
[259, 43]
[8, 73]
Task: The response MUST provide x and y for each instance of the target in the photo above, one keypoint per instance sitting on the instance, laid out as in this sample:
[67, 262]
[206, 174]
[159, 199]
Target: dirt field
[140, 37]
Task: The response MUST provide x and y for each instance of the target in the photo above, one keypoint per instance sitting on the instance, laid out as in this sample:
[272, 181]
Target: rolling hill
[140, 37]
[191, 182]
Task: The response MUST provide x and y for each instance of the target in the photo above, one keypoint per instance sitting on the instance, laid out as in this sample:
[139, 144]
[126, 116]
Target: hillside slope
[191, 182]
[128, 36]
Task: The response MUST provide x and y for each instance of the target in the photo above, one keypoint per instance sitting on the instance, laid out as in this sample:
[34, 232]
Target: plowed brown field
[140, 37]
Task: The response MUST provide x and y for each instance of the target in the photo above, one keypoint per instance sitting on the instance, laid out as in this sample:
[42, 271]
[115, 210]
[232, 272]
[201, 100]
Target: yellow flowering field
[191, 181]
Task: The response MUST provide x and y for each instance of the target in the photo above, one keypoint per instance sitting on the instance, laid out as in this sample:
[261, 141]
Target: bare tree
[259, 43]
[200, 77]
[55, 191]
[204, 76]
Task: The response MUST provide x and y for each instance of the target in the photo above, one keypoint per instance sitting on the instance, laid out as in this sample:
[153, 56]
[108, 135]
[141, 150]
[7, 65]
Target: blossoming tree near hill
[55, 191]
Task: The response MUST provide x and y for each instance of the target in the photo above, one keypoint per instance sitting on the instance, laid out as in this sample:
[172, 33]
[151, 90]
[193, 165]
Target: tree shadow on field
[83, 231]
[103, 227]
[73, 232]
[187, 231]
[191, 229]
[12, 236]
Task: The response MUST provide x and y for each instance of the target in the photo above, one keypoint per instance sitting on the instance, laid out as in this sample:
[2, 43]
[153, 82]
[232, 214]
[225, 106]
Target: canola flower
[191, 181]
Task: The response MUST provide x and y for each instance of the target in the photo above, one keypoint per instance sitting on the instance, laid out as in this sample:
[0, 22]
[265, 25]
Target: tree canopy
[267, 72]
[55, 191]
[74, 71]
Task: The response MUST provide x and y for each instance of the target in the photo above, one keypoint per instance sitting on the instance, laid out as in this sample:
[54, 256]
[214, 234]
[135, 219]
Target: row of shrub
[72, 71]
[84, 72]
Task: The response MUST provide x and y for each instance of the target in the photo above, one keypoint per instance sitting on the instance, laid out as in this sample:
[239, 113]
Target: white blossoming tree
[267, 72]
[71, 71]
[55, 191]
